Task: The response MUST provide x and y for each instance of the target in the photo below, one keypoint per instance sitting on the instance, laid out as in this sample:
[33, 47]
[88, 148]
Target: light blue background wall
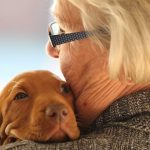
[23, 35]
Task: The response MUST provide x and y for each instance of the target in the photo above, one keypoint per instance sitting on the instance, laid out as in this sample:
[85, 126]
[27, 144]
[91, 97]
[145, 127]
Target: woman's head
[127, 25]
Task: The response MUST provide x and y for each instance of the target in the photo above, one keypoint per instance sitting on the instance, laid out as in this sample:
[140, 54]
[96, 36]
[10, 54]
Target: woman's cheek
[64, 58]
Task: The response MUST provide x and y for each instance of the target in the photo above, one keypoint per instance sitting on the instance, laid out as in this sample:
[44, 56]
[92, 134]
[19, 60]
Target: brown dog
[37, 106]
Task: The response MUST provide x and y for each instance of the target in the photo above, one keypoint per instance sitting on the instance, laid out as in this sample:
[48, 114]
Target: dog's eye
[65, 88]
[20, 96]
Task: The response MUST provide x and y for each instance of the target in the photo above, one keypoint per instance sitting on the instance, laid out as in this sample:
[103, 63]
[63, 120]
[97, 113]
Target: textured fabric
[125, 125]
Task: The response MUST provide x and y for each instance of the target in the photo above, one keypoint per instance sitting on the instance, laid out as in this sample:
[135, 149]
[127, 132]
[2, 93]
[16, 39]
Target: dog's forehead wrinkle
[42, 76]
[16, 85]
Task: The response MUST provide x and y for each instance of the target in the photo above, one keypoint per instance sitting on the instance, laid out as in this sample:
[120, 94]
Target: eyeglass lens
[55, 29]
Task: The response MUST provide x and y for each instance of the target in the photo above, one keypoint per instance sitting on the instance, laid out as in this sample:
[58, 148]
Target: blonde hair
[127, 23]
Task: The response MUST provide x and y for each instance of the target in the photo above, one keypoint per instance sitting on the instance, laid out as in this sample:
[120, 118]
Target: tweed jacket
[125, 125]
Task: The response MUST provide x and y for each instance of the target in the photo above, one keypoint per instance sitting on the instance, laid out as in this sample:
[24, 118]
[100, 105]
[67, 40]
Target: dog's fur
[37, 106]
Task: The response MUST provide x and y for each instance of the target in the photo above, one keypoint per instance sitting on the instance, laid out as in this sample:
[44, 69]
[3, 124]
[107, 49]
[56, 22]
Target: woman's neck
[100, 93]
[85, 68]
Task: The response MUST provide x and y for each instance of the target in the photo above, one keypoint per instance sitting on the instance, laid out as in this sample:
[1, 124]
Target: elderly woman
[104, 53]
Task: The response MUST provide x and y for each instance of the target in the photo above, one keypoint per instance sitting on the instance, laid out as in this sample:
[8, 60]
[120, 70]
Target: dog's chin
[62, 134]
[59, 136]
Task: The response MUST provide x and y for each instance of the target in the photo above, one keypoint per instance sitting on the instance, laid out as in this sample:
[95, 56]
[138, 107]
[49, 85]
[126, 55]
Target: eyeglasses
[58, 37]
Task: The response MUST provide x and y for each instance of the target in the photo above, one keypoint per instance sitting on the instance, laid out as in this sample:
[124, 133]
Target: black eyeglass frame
[68, 37]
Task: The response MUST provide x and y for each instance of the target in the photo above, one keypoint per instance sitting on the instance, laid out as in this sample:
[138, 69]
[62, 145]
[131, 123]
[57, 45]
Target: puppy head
[38, 106]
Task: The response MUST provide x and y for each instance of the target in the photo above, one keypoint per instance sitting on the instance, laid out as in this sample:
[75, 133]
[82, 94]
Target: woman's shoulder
[126, 123]
[127, 107]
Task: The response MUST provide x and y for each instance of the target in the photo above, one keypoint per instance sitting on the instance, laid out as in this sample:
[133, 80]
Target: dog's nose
[58, 111]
